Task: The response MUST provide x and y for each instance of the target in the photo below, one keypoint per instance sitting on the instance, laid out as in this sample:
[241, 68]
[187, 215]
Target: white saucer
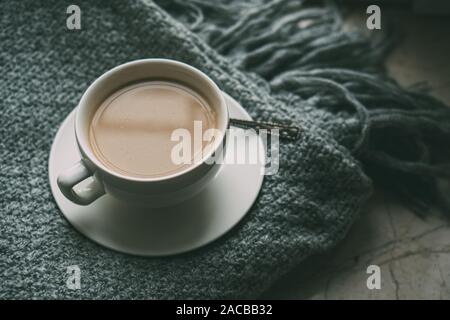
[164, 231]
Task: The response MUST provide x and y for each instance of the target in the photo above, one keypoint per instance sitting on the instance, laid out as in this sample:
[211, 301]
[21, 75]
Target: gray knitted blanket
[283, 61]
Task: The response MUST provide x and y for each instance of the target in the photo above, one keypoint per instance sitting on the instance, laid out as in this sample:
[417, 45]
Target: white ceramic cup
[153, 192]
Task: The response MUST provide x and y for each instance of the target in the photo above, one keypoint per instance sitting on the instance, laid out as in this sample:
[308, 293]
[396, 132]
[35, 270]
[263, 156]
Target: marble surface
[413, 253]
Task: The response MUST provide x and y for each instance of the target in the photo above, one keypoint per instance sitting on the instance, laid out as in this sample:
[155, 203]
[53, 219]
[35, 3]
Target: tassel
[403, 140]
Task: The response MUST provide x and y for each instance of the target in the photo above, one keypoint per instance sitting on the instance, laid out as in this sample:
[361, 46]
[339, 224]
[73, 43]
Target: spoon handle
[284, 131]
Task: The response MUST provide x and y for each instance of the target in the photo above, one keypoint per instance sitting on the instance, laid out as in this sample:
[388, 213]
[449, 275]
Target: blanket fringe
[404, 140]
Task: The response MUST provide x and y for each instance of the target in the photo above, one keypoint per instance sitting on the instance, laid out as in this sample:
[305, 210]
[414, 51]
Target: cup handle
[74, 175]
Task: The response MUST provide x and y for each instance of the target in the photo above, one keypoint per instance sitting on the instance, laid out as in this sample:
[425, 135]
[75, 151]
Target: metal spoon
[284, 131]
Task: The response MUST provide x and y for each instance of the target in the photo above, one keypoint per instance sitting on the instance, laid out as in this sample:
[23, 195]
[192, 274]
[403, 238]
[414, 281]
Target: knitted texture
[304, 209]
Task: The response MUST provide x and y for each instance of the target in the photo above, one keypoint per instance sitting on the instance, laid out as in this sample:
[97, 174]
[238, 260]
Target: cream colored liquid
[131, 131]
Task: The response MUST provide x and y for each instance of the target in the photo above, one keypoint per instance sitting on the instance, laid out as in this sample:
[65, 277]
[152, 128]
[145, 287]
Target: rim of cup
[84, 144]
